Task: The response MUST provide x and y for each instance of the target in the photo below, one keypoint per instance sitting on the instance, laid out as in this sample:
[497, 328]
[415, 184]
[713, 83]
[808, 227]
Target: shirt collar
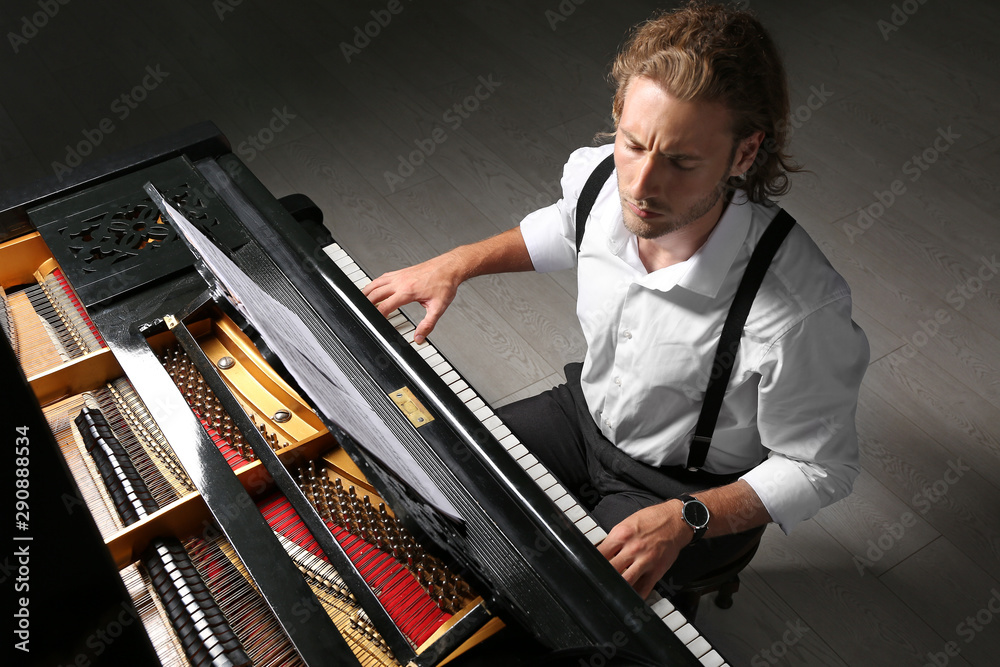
[705, 271]
[711, 263]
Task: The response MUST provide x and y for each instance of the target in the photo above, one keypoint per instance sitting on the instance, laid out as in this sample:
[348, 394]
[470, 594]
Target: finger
[645, 586]
[633, 574]
[391, 302]
[621, 563]
[376, 294]
[424, 329]
[373, 285]
[609, 548]
[435, 309]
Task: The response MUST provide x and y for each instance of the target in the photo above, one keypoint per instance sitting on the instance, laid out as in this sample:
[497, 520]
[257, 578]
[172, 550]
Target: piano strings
[47, 325]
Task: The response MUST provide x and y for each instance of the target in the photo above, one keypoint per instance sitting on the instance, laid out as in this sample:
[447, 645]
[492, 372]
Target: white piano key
[527, 460]
[564, 502]
[699, 645]
[495, 426]
[511, 444]
[453, 378]
[663, 607]
[586, 524]
[336, 255]
[596, 534]
[466, 395]
[500, 431]
[574, 513]
[345, 264]
[555, 493]
[712, 659]
[686, 633]
[674, 620]
[547, 480]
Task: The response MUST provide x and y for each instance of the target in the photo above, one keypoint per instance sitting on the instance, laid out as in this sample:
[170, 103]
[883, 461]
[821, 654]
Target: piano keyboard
[662, 607]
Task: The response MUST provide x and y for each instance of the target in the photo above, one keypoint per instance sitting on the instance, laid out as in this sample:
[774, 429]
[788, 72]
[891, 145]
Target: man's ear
[746, 153]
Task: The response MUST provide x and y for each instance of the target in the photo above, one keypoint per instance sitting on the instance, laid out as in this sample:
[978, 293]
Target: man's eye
[680, 166]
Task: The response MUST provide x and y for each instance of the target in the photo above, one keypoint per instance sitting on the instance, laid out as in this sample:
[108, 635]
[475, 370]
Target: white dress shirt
[651, 339]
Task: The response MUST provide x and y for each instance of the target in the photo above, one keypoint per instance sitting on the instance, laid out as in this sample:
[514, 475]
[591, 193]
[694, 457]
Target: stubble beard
[668, 223]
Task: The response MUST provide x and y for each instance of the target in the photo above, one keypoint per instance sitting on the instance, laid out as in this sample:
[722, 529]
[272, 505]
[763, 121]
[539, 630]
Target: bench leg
[724, 600]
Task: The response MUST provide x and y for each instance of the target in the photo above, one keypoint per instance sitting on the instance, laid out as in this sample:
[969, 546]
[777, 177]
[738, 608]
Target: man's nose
[647, 179]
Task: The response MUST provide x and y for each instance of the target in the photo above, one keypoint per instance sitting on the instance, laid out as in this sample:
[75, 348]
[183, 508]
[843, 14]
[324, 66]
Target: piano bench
[724, 581]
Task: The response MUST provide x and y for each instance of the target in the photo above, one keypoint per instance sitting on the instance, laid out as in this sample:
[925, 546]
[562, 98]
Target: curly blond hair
[718, 54]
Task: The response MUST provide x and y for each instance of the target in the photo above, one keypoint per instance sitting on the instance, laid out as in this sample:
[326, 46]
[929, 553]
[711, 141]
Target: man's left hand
[644, 546]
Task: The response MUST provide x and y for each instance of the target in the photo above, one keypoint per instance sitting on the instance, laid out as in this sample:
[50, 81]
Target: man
[700, 114]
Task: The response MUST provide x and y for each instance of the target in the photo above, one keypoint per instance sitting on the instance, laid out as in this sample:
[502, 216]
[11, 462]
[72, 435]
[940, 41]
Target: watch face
[695, 513]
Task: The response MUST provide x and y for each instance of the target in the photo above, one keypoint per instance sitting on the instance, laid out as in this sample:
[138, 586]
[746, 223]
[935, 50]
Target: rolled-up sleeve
[807, 402]
[550, 233]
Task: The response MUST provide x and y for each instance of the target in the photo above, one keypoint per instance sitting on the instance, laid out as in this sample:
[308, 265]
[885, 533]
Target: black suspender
[732, 330]
[588, 195]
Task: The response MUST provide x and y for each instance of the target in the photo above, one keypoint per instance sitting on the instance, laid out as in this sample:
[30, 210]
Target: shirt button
[607, 422]
[627, 334]
[618, 381]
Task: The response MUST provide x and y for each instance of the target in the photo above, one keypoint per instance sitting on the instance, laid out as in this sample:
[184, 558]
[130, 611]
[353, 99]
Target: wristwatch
[696, 515]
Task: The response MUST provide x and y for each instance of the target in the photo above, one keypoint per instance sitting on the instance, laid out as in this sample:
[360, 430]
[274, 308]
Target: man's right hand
[433, 284]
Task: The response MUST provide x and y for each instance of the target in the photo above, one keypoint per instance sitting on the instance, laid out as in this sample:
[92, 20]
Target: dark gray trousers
[558, 429]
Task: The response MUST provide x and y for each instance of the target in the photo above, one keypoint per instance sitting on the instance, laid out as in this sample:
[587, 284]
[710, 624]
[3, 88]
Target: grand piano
[184, 502]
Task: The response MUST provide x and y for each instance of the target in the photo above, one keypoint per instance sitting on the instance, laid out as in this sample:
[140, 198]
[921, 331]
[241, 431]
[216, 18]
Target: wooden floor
[369, 129]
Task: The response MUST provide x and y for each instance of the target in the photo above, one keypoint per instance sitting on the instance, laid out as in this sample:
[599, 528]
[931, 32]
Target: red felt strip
[71, 295]
[407, 603]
